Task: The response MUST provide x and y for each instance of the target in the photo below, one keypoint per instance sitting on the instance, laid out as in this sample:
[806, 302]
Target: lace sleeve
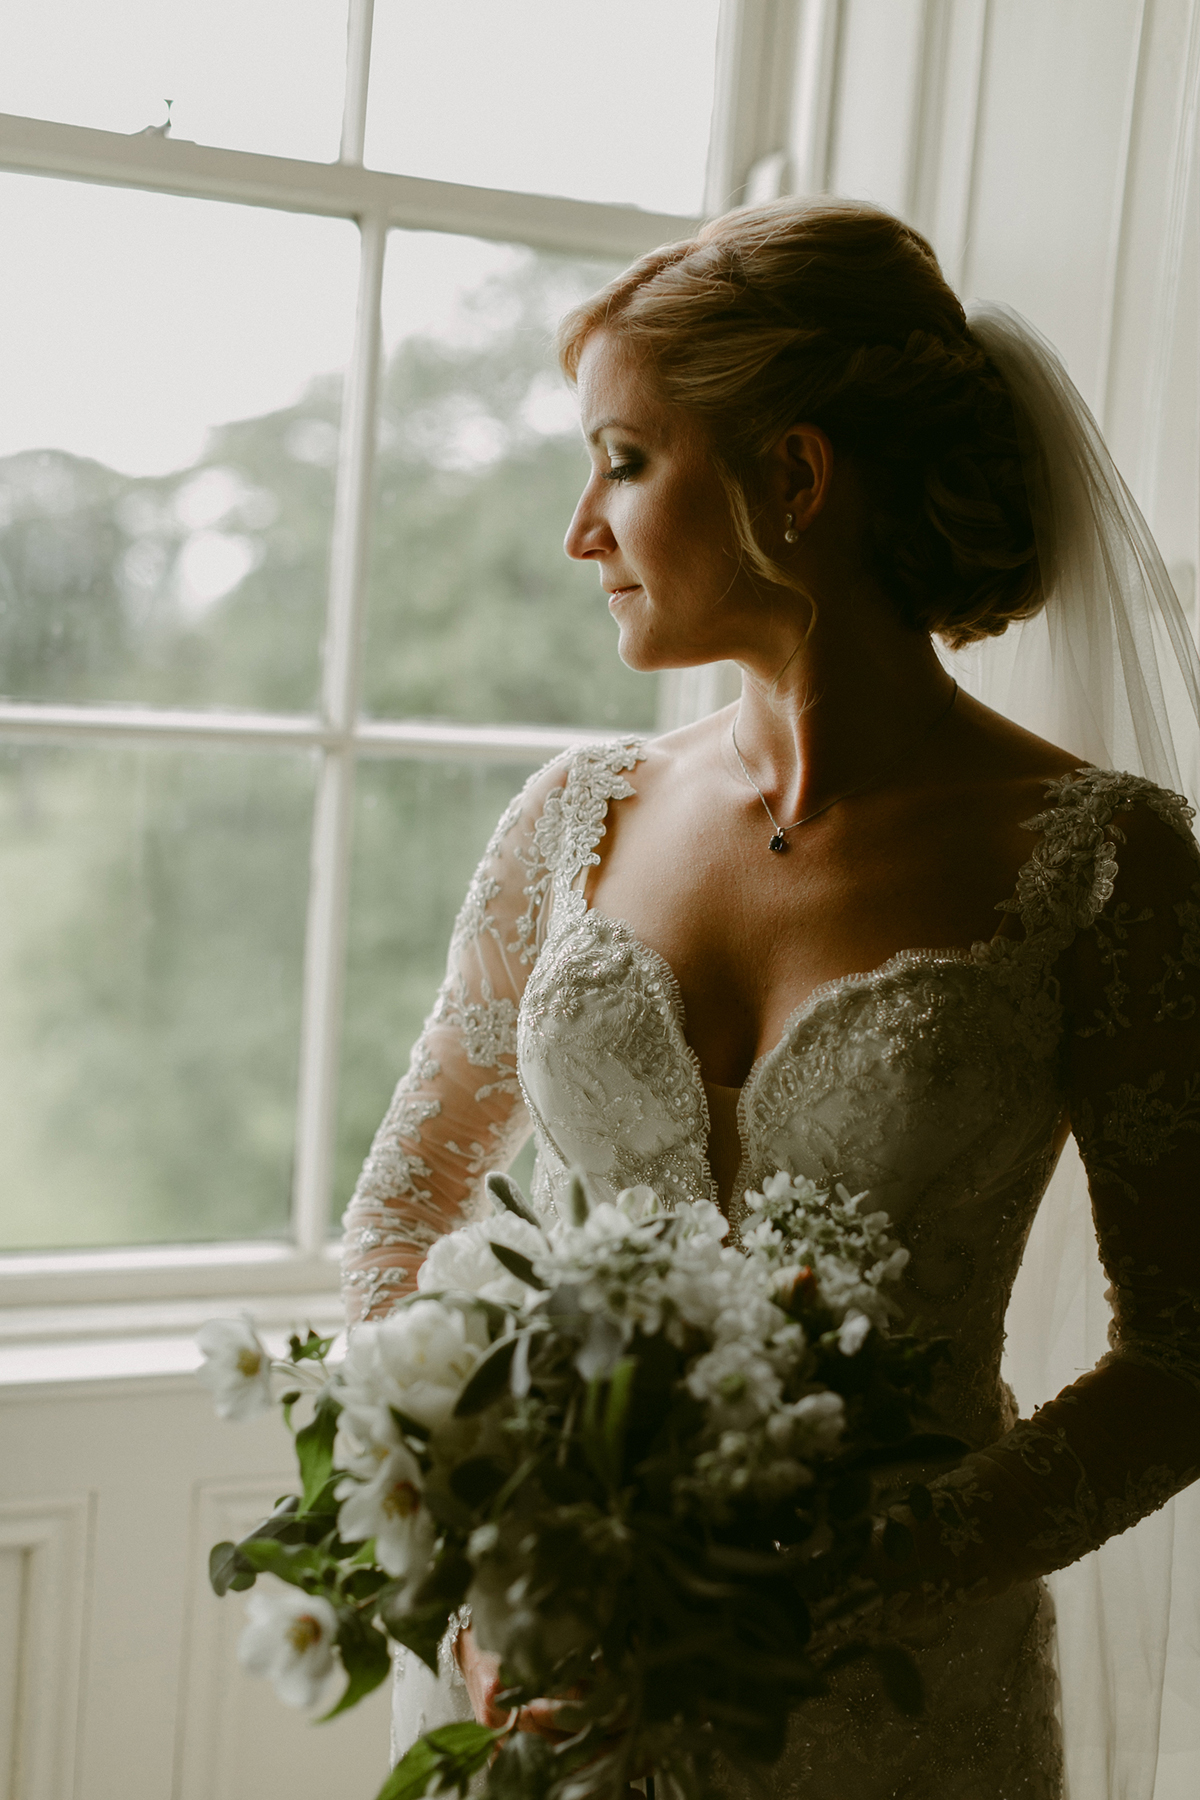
[458, 1111]
[1120, 1441]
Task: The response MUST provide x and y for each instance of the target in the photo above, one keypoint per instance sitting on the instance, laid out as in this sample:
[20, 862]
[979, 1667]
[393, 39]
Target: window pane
[605, 102]
[151, 942]
[474, 612]
[263, 75]
[420, 828]
[167, 438]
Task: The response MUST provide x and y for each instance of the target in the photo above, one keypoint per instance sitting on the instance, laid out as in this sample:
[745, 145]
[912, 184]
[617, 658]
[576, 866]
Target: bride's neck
[841, 707]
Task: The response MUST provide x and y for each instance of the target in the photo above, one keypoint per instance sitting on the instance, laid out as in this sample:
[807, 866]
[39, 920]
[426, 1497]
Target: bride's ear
[799, 471]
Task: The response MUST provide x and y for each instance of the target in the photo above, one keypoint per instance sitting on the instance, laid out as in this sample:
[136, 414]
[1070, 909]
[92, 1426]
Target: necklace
[779, 832]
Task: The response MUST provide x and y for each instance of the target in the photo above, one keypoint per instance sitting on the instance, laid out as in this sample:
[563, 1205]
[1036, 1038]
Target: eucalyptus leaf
[489, 1380]
[518, 1265]
[578, 1205]
[504, 1189]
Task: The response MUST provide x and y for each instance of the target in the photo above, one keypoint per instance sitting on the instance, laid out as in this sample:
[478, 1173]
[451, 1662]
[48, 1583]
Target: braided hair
[836, 314]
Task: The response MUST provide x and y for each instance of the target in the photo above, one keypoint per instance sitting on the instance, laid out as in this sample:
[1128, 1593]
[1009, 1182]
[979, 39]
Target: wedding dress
[941, 1082]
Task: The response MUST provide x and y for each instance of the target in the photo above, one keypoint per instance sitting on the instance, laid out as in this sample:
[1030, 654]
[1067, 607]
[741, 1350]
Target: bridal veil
[1109, 670]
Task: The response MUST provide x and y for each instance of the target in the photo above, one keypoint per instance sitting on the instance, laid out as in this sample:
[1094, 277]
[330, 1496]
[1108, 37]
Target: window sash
[379, 202]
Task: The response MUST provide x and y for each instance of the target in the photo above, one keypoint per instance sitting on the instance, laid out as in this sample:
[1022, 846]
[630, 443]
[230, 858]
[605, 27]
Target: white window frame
[760, 42]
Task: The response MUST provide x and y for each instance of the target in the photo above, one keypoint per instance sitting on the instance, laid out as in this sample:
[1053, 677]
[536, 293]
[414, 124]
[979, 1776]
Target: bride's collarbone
[750, 935]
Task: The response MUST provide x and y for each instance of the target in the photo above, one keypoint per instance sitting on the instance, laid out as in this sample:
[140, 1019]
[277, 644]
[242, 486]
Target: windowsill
[98, 1316]
[87, 1346]
[163, 1272]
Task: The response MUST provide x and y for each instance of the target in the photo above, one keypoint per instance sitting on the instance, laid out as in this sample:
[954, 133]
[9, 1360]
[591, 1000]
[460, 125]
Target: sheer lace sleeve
[458, 1111]
[1120, 1441]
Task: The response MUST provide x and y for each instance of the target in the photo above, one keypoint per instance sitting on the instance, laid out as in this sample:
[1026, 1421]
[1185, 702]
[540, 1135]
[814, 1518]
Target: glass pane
[601, 103]
[167, 438]
[151, 942]
[474, 611]
[420, 828]
[264, 75]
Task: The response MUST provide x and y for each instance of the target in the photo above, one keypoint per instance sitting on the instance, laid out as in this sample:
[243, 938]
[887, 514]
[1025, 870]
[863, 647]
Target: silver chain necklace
[778, 840]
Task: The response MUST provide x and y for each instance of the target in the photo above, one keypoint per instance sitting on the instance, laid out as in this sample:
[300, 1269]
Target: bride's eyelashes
[624, 470]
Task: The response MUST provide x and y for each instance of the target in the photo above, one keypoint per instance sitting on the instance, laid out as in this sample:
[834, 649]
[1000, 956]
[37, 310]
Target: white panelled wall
[1048, 147]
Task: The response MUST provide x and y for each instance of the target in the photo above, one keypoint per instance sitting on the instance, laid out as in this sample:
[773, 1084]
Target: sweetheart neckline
[901, 959]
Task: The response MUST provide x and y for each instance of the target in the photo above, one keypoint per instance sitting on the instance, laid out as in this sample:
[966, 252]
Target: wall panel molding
[234, 1738]
[44, 1567]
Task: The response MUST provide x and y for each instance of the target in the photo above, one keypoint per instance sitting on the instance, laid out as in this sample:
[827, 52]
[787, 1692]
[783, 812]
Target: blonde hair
[836, 314]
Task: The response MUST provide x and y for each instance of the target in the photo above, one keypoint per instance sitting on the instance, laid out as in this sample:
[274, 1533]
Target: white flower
[739, 1384]
[853, 1333]
[463, 1259]
[822, 1419]
[235, 1367]
[639, 1203]
[417, 1360]
[289, 1636]
[390, 1508]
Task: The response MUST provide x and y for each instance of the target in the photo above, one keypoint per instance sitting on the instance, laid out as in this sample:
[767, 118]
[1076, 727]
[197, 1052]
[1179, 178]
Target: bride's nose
[588, 535]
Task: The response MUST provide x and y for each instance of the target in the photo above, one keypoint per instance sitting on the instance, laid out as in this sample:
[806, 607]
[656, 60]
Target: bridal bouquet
[643, 1459]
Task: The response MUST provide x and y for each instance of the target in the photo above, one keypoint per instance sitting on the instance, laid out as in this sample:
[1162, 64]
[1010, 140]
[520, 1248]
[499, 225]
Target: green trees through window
[152, 902]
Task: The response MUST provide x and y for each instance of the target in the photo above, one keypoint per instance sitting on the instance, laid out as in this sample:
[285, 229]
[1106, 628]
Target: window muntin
[264, 75]
[473, 611]
[338, 745]
[600, 103]
[419, 830]
[152, 910]
[170, 423]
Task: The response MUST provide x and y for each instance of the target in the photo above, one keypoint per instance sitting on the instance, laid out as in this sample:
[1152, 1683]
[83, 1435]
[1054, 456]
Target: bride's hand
[481, 1672]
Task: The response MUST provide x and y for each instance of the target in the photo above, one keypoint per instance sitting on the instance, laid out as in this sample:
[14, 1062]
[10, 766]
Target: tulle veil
[1110, 671]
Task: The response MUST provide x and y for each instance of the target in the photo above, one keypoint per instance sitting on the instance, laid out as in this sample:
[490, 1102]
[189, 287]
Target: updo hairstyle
[834, 313]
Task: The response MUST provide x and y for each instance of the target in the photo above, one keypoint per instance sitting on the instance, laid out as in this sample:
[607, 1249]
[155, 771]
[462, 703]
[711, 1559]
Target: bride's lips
[621, 593]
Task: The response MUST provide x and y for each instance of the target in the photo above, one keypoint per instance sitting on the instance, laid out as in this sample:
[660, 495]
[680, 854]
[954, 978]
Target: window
[284, 618]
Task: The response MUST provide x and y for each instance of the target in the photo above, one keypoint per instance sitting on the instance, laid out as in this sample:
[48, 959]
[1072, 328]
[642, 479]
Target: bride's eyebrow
[611, 425]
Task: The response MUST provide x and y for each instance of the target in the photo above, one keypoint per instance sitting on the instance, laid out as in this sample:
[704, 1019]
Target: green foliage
[442, 1762]
[152, 904]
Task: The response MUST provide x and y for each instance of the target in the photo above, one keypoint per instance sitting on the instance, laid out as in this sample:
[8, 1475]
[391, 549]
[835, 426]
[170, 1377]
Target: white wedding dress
[942, 1082]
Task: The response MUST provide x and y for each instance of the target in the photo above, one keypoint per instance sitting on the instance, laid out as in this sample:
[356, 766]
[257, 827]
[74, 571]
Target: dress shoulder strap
[1069, 878]
[572, 818]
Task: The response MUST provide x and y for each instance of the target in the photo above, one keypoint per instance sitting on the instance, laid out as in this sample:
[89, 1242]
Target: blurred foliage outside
[152, 903]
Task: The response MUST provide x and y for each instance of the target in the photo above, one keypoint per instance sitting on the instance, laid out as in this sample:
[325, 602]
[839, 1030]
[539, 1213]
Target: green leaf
[228, 1568]
[313, 1348]
[410, 1427]
[901, 1678]
[314, 1451]
[505, 1190]
[518, 1265]
[920, 1502]
[578, 1205]
[489, 1380]
[420, 1628]
[441, 1761]
[291, 1562]
[366, 1659]
[477, 1480]
[616, 1414]
[897, 1541]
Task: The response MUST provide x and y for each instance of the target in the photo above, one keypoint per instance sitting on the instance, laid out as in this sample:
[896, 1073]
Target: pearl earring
[791, 535]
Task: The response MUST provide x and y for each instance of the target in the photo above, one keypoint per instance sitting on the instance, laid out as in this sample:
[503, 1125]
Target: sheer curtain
[1109, 670]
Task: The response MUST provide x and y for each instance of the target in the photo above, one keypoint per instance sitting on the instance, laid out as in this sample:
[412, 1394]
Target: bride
[858, 925]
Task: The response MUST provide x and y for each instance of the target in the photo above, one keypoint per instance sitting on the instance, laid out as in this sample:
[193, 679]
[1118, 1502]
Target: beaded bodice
[943, 1082]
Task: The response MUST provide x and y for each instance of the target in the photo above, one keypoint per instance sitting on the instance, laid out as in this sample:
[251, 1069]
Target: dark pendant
[779, 842]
